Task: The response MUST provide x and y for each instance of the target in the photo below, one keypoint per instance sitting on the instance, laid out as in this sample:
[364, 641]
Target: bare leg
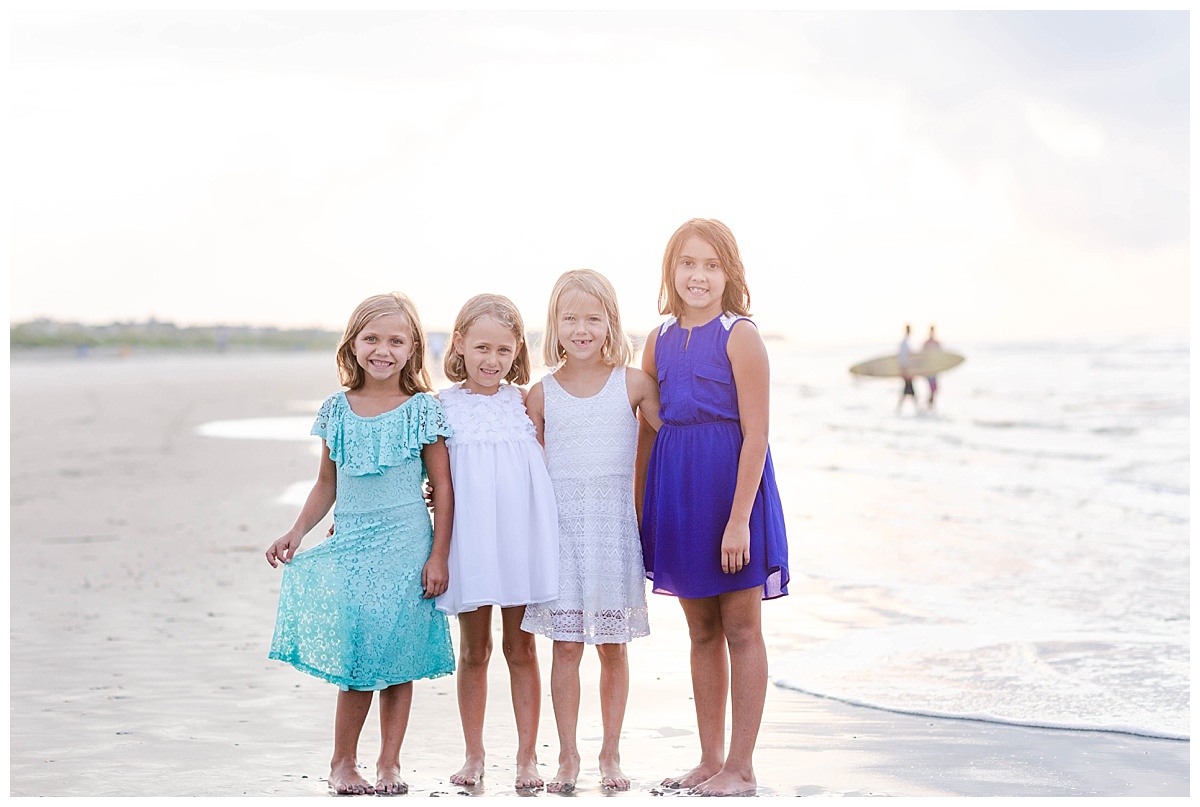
[710, 687]
[520, 651]
[474, 652]
[352, 709]
[741, 617]
[614, 695]
[395, 703]
[564, 691]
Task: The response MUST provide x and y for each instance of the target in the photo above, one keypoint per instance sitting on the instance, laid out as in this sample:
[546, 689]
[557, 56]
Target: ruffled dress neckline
[393, 410]
[363, 446]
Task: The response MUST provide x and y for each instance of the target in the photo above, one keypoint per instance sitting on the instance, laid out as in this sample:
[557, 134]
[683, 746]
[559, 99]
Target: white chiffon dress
[504, 545]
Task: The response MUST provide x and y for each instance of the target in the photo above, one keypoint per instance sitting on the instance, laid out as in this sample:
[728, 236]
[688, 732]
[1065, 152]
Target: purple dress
[693, 474]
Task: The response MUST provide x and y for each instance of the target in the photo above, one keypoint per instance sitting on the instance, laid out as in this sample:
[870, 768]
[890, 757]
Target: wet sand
[142, 611]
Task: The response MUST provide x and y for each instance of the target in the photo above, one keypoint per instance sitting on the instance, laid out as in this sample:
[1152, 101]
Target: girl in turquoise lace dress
[358, 609]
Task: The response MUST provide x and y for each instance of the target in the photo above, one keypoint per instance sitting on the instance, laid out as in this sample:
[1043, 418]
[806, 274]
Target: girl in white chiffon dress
[504, 549]
[504, 542]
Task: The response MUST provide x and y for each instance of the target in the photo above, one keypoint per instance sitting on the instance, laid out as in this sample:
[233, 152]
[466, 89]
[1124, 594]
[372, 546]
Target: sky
[1005, 175]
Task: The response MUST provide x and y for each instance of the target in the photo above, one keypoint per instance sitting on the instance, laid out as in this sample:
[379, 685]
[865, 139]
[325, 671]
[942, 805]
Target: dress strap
[616, 381]
[728, 320]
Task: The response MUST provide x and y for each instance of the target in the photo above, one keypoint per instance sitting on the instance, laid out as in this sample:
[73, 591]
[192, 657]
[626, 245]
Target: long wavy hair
[414, 377]
[736, 299]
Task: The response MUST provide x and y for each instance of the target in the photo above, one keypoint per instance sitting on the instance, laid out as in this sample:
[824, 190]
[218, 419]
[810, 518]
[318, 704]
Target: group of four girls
[536, 498]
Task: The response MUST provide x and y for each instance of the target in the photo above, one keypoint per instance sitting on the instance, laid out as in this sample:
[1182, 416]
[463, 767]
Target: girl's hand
[284, 549]
[735, 547]
[435, 577]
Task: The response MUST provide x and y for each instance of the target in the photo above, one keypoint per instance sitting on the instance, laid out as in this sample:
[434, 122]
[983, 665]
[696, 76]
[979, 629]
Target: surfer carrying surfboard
[931, 344]
[927, 363]
[903, 357]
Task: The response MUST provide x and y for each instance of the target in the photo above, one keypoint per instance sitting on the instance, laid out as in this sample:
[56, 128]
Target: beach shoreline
[142, 609]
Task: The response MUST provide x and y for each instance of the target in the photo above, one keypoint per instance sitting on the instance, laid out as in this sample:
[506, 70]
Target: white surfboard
[921, 363]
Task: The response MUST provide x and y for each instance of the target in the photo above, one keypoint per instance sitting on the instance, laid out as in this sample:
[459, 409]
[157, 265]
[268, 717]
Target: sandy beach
[142, 611]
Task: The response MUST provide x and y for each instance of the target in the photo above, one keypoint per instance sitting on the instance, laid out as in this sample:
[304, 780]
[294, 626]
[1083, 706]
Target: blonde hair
[502, 310]
[617, 349]
[736, 299]
[414, 377]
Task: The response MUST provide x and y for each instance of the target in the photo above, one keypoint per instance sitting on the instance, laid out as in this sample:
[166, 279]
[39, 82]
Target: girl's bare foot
[470, 774]
[527, 775]
[345, 780]
[611, 775]
[692, 778]
[390, 783]
[564, 780]
[727, 783]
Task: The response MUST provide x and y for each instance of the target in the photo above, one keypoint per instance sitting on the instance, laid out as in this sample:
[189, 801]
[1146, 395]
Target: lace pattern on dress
[367, 445]
[590, 448]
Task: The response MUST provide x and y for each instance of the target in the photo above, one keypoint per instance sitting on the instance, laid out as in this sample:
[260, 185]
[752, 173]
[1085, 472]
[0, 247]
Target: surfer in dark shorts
[903, 356]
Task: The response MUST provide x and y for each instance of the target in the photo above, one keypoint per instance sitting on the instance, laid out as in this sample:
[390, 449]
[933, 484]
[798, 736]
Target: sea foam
[1031, 537]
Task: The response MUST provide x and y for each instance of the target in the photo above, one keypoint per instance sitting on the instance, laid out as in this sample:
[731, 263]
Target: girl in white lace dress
[585, 414]
[504, 543]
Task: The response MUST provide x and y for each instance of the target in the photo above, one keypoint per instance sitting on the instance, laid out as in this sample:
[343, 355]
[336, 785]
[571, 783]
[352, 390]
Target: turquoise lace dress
[351, 609]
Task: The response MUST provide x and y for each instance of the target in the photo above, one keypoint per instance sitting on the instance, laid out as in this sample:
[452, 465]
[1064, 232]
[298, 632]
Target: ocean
[1020, 555]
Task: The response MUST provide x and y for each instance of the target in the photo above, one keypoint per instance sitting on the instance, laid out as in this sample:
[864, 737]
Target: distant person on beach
[904, 357]
[585, 412]
[504, 546]
[931, 344]
[358, 609]
[437, 346]
[712, 522]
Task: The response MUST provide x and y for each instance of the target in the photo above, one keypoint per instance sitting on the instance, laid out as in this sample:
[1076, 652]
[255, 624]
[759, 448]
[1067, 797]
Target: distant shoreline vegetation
[46, 333]
[123, 337]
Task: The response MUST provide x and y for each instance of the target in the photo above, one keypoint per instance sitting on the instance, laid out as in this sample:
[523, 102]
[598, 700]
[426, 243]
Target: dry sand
[142, 611]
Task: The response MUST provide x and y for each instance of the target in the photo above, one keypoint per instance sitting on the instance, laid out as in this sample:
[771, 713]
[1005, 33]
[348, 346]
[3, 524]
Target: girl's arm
[643, 396]
[435, 577]
[535, 407]
[647, 429]
[752, 375]
[320, 499]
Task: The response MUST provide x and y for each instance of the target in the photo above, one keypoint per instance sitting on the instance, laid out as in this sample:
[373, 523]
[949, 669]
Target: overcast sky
[1005, 175]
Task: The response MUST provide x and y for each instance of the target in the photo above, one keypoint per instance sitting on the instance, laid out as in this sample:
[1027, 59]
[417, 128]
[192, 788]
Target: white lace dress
[591, 445]
[504, 546]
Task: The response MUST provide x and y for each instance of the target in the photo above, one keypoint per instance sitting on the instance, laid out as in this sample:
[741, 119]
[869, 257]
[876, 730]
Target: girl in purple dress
[712, 527]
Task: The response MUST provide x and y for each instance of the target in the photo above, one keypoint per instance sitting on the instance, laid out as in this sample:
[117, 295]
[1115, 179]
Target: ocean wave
[1159, 476]
[1130, 405]
[1021, 424]
[1084, 681]
[1116, 431]
[1114, 728]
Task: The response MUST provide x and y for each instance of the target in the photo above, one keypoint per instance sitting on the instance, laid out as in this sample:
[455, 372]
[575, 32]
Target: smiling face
[488, 350]
[582, 326]
[383, 347]
[699, 280]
